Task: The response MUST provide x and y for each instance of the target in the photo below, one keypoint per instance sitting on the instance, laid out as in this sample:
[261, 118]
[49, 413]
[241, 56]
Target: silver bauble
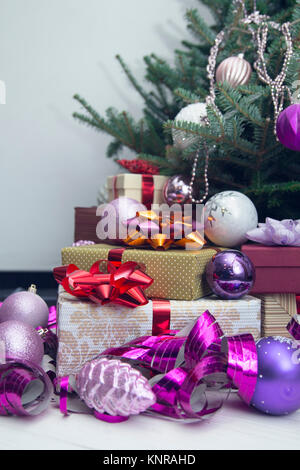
[234, 70]
[196, 113]
[228, 216]
[25, 306]
[176, 190]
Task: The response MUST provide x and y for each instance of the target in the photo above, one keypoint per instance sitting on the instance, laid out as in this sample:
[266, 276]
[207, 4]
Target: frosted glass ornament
[196, 113]
[228, 216]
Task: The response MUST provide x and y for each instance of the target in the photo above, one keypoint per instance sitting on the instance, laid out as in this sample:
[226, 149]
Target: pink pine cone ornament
[275, 232]
[114, 387]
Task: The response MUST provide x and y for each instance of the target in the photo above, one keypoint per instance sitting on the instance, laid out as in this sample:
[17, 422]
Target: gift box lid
[272, 256]
[133, 180]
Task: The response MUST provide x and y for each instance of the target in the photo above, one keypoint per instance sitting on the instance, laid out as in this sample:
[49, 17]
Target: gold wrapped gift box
[178, 274]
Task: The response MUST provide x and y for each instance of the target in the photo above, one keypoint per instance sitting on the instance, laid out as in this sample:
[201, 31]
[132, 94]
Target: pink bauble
[21, 341]
[112, 227]
[27, 307]
[234, 70]
[288, 127]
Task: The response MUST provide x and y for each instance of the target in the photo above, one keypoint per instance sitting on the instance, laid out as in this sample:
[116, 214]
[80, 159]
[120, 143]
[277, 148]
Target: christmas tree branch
[187, 96]
[237, 102]
[203, 131]
[140, 90]
[199, 27]
[98, 122]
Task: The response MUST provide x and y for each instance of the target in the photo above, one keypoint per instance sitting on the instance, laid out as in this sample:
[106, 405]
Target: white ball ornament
[227, 218]
[196, 113]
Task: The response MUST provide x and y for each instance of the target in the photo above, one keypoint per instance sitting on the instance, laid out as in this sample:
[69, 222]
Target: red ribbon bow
[122, 284]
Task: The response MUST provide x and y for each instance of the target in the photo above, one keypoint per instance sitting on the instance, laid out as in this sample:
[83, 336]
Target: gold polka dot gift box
[85, 328]
[178, 274]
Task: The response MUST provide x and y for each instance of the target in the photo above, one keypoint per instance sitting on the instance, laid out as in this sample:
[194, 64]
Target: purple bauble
[230, 274]
[112, 227]
[277, 390]
[21, 342]
[176, 190]
[27, 307]
[288, 127]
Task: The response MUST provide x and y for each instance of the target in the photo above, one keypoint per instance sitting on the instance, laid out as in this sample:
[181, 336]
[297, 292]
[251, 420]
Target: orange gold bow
[149, 228]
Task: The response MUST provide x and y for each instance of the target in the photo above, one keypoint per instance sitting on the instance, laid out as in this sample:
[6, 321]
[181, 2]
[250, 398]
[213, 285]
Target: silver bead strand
[195, 164]
[277, 86]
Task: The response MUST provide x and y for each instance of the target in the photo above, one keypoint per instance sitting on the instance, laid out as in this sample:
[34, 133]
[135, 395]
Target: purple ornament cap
[27, 307]
[277, 389]
[21, 342]
[288, 127]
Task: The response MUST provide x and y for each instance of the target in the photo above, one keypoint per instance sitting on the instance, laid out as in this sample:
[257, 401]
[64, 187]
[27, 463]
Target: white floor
[234, 427]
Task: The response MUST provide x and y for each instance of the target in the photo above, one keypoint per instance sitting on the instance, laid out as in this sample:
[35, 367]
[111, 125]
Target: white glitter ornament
[234, 70]
[227, 218]
[196, 113]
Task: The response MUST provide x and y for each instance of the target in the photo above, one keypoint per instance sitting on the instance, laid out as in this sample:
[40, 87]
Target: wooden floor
[234, 427]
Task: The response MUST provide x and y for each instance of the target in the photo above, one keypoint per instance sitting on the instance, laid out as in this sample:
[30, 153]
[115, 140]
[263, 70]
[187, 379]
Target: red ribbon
[122, 284]
[161, 317]
[115, 189]
[147, 190]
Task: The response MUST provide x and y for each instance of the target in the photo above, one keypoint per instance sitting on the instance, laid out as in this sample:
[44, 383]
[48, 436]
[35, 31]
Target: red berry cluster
[139, 166]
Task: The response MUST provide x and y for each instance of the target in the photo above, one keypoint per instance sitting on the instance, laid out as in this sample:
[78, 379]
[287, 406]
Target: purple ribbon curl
[193, 374]
[19, 393]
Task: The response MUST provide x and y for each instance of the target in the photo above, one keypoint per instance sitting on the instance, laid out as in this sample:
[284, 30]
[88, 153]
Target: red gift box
[85, 224]
[277, 268]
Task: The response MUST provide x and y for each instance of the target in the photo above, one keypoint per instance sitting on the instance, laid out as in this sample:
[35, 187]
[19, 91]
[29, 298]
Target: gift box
[178, 274]
[276, 313]
[85, 224]
[277, 268]
[85, 328]
[147, 189]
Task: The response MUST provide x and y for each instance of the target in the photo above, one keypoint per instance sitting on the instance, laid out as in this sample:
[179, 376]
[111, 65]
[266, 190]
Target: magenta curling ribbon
[52, 320]
[206, 370]
[110, 419]
[15, 380]
[203, 364]
[63, 394]
[294, 329]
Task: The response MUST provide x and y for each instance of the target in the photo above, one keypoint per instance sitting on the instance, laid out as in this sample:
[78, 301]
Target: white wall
[49, 50]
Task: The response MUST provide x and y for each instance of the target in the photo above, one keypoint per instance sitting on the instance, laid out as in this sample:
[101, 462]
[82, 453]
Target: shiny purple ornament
[288, 127]
[21, 342]
[114, 387]
[25, 306]
[277, 389]
[230, 274]
[176, 190]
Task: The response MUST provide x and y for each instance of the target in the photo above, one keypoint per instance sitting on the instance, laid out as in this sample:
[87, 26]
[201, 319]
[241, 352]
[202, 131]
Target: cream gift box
[276, 313]
[85, 329]
[132, 185]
